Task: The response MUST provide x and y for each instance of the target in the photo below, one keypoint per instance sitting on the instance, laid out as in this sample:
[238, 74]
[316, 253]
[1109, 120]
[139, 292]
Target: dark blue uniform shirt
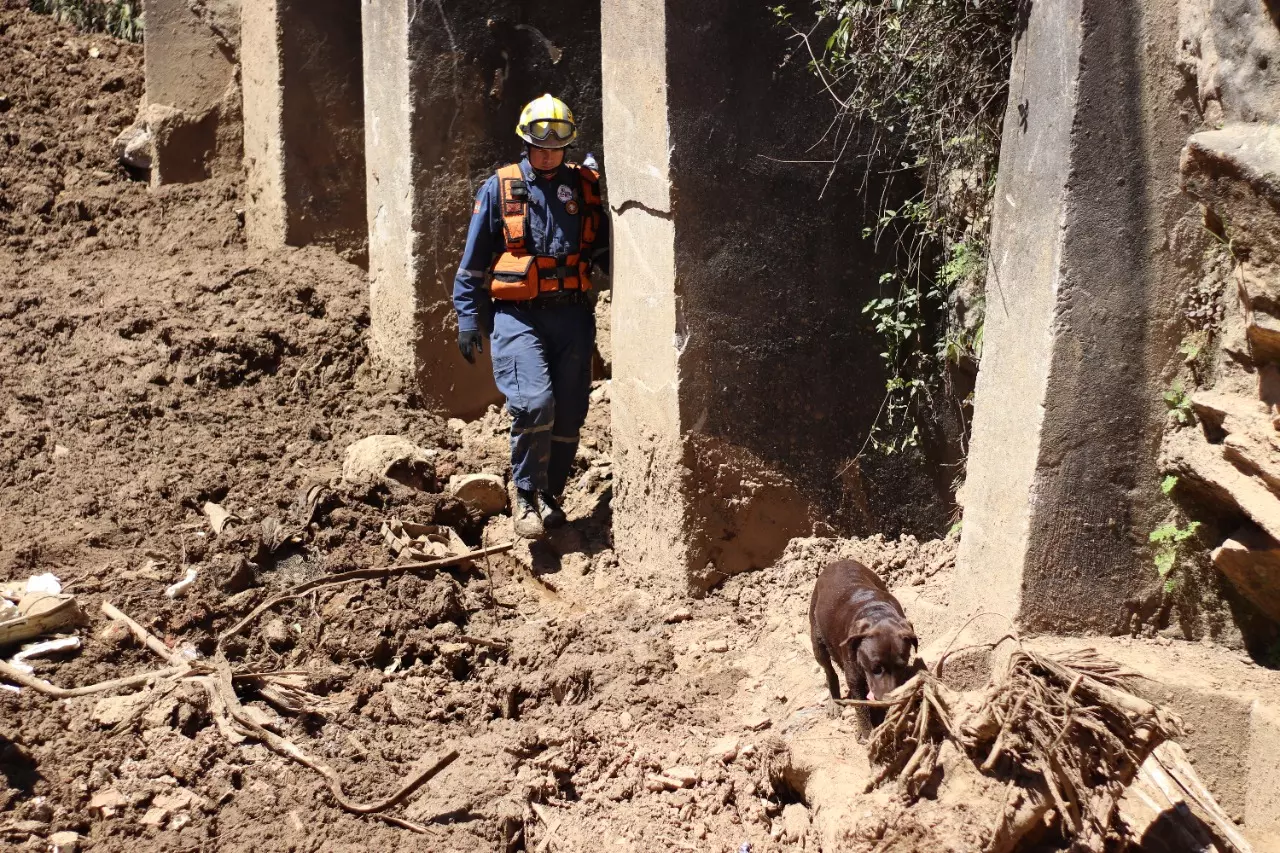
[552, 231]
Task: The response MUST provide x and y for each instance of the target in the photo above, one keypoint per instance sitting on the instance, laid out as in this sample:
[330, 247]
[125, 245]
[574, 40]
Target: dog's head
[883, 650]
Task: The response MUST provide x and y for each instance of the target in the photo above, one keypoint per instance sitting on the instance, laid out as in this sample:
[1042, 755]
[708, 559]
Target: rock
[179, 799]
[625, 720]
[1202, 468]
[795, 823]
[114, 710]
[1236, 171]
[132, 146]
[484, 493]
[680, 614]
[115, 634]
[277, 635]
[391, 456]
[718, 645]
[661, 782]
[757, 723]
[1251, 561]
[107, 803]
[240, 577]
[687, 776]
[64, 842]
[1264, 336]
[36, 199]
[155, 817]
[725, 749]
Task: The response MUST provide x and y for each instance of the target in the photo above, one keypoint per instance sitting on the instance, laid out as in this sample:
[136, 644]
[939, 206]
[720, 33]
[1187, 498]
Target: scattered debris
[392, 457]
[421, 541]
[180, 588]
[218, 517]
[484, 493]
[108, 803]
[64, 842]
[680, 614]
[57, 646]
[38, 613]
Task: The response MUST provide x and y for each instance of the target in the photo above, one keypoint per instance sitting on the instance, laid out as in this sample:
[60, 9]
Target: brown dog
[855, 622]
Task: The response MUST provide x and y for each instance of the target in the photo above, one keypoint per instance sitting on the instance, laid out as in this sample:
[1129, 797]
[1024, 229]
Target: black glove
[470, 343]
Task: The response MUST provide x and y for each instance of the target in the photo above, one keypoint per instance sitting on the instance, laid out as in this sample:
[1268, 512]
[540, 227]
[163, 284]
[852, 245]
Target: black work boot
[524, 514]
[550, 511]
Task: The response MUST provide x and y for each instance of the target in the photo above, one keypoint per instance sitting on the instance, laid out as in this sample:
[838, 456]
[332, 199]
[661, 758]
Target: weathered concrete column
[444, 85]
[193, 92]
[742, 381]
[1062, 485]
[304, 124]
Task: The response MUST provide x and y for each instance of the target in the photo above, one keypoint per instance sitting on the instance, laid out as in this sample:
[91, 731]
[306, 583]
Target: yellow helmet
[547, 122]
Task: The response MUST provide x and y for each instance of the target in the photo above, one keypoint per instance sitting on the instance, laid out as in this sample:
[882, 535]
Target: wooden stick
[12, 673]
[357, 575]
[144, 636]
[223, 702]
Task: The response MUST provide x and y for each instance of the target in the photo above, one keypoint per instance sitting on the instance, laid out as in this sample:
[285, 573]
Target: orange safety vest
[517, 274]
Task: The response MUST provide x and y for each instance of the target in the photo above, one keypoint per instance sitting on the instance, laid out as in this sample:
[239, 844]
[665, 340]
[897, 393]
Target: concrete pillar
[742, 383]
[192, 88]
[444, 85]
[304, 124]
[1081, 321]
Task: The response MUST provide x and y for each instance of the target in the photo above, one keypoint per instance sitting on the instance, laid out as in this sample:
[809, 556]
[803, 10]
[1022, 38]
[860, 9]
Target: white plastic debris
[44, 583]
[36, 650]
[180, 588]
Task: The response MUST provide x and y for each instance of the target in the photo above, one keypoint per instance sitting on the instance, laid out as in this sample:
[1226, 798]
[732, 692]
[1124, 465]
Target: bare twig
[17, 676]
[344, 578]
[223, 702]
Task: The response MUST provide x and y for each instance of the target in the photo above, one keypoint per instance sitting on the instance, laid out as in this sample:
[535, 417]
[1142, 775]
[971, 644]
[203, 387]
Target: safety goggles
[542, 129]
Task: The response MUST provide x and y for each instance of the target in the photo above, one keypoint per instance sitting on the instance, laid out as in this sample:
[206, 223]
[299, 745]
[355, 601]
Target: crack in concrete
[632, 204]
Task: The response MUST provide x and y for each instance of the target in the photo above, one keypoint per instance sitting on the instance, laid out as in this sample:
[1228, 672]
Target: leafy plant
[1179, 403]
[926, 82]
[1168, 539]
[119, 18]
[1167, 484]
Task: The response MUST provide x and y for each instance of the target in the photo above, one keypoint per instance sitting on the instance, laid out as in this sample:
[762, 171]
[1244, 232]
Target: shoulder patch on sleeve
[475, 208]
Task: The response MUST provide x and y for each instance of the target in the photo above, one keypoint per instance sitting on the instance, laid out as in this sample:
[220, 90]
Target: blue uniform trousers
[542, 365]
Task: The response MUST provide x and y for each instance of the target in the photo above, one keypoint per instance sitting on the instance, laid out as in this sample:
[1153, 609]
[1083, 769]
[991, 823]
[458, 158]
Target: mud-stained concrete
[1062, 485]
[304, 125]
[191, 55]
[740, 278]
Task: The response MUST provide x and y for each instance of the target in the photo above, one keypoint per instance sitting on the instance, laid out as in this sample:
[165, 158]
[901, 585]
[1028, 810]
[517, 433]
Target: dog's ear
[909, 636]
[858, 631]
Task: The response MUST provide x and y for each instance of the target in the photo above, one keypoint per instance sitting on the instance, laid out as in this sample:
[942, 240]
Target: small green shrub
[1168, 539]
[1180, 404]
[119, 18]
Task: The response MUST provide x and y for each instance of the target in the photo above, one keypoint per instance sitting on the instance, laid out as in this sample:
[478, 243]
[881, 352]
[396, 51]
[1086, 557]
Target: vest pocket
[512, 268]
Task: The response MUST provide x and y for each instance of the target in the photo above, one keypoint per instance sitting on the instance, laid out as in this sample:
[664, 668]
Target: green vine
[928, 80]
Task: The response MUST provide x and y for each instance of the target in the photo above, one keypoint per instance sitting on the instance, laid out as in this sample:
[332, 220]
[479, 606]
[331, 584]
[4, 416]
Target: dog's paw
[834, 710]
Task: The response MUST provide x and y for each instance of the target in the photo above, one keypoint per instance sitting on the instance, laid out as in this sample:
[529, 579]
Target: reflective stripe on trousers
[542, 365]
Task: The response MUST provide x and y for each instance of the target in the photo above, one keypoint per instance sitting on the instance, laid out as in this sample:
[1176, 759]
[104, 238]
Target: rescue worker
[537, 230]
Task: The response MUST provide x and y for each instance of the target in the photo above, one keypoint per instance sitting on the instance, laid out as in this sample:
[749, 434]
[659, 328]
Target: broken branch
[353, 576]
[17, 676]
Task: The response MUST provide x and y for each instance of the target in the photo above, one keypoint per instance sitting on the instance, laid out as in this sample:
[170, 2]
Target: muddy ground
[151, 364]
